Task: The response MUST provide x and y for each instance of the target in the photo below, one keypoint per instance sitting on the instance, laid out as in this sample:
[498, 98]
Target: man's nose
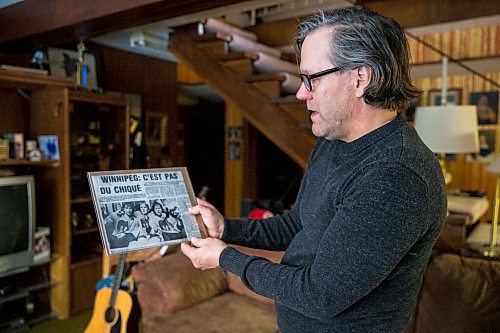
[303, 94]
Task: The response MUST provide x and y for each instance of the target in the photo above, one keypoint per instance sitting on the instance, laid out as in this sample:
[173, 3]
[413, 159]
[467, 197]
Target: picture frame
[144, 208]
[62, 63]
[487, 142]
[156, 129]
[487, 106]
[453, 96]
[49, 146]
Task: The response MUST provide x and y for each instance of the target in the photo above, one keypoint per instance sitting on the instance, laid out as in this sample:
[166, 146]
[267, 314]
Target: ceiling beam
[34, 23]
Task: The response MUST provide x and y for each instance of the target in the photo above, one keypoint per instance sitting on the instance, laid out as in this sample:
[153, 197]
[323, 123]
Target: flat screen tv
[17, 223]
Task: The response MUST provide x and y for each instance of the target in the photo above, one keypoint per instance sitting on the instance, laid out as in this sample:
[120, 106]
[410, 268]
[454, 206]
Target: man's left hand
[204, 253]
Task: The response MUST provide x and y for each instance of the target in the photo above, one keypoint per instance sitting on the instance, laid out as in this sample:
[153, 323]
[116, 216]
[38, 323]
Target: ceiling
[31, 24]
[243, 14]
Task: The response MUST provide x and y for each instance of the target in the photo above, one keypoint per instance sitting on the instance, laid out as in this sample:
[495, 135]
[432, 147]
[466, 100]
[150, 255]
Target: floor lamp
[492, 249]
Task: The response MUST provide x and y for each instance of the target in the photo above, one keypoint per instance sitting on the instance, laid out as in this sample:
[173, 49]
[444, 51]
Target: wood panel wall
[473, 43]
[156, 81]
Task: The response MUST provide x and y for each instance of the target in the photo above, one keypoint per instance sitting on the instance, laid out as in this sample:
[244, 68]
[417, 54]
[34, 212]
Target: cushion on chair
[225, 313]
[171, 283]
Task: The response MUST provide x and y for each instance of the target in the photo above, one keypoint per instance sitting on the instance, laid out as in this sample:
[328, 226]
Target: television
[17, 223]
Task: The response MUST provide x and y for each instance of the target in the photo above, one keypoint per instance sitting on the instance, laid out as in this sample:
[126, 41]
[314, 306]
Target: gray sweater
[357, 240]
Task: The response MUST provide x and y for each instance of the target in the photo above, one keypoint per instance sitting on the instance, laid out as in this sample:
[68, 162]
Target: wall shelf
[36, 104]
[26, 163]
[433, 69]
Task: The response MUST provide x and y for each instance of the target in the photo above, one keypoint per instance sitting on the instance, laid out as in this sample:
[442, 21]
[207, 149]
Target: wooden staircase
[283, 120]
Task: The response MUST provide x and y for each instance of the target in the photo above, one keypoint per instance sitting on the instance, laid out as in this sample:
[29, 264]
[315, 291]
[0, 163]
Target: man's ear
[363, 76]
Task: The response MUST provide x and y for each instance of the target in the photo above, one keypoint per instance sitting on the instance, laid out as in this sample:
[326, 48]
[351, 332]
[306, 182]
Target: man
[371, 203]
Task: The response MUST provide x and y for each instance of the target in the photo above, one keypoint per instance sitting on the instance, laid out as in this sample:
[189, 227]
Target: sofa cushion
[171, 283]
[234, 282]
[459, 294]
[228, 312]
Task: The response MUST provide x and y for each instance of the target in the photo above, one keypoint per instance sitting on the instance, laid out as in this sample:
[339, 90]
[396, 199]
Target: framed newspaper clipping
[138, 209]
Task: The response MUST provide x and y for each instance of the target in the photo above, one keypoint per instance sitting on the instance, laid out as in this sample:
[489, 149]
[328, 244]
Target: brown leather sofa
[459, 294]
[176, 297]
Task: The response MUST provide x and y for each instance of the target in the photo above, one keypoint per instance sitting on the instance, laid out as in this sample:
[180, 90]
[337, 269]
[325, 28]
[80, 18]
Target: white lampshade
[494, 166]
[448, 129]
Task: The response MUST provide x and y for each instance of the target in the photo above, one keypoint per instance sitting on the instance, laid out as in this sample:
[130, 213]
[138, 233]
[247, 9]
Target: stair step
[242, 66]
[216, 44]
[268, 84]
[265, 77]
[270, 88]
[239, 55]
[289, 99]
[210, 37]
[296, 108]
[213, 25]
[300, 113]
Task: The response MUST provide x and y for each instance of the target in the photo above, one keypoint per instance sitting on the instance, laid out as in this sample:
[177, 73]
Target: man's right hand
[213, 220]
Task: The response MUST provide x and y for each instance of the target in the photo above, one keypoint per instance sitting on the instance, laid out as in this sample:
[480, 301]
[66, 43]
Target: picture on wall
[487, 106]
[453, 97]
[156, 129]
[487, 140]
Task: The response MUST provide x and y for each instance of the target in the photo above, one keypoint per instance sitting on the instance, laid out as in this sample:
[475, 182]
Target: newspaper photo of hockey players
[139, 209]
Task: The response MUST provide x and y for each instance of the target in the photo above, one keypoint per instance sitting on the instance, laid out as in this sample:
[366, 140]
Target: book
[144, 208]
[16, 145]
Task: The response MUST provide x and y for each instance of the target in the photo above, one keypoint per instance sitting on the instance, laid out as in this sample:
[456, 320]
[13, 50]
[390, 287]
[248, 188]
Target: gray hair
[364, 38]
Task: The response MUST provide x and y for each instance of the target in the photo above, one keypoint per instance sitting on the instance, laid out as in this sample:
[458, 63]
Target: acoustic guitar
[112, 306]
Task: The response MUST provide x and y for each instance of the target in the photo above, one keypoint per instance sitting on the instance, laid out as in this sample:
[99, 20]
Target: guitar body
[108, 319]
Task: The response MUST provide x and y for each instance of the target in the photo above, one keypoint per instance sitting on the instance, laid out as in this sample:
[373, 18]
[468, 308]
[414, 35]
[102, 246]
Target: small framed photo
[453, 97]
[234, 153]
[156, 129]
[234, 132]
[49, 145]
[487, 106]
[487, 140]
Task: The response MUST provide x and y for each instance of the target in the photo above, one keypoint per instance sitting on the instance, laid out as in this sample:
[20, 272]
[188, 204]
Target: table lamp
[448, 129]
[492, 250]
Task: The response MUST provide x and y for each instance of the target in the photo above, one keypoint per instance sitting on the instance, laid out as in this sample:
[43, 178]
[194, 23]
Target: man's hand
[211, 218]
[204, 253]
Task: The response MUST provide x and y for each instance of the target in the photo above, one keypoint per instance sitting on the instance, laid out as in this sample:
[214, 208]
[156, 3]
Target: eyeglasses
[307, 78]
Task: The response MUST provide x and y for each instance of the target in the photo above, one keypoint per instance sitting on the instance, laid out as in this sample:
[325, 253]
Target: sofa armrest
[171, 283]
[452, 236]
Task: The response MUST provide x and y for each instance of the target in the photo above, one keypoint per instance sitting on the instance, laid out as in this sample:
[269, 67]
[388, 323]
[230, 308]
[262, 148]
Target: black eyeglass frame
[307, 78]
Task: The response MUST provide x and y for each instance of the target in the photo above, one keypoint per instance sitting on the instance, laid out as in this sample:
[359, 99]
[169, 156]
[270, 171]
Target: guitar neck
[117, 280]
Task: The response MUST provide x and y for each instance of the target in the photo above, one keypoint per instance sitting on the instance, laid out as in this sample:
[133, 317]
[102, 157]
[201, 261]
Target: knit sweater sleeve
[378, 222]
[273, 233]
